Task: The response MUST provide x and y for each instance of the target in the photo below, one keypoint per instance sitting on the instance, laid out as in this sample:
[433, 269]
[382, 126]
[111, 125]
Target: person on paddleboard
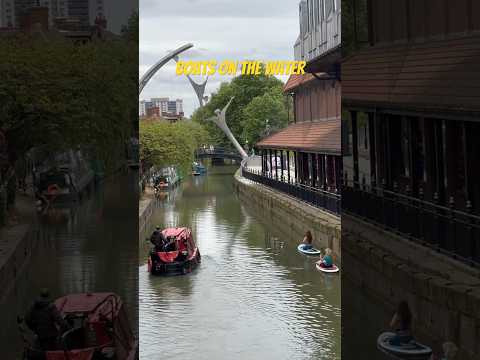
[326, 261]
[307, 240]
[449, 352]
[402, 324]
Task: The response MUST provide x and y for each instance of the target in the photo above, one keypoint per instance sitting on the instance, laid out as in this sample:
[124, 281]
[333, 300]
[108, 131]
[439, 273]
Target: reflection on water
[367, 319]
[89, 247]
[253, 297]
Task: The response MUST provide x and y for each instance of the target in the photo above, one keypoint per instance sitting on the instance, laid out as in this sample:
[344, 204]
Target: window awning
[439, 75]
[322, 136]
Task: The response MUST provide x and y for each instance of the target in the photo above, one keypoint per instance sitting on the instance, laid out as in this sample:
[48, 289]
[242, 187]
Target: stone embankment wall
[145, 211]
[290, 215]
[17, 243]
[443, 294]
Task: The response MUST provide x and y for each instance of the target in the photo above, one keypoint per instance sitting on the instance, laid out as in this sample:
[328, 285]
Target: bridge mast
[219, 120]
[150, 72]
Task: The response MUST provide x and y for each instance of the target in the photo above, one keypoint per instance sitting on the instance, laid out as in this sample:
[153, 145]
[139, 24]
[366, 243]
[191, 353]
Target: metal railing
[325, 200]
[450, 231]
[217, 152]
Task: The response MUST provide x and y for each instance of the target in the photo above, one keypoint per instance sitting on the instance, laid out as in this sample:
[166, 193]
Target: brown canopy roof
[438, 75]
[319, 136]
[296, 80]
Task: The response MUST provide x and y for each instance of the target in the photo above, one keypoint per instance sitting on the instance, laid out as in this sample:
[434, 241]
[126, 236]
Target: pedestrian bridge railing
[325, 200]
[217, 153]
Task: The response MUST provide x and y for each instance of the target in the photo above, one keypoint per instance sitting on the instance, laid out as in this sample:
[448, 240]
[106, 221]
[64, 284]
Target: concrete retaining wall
[444, 295]
[145, 211]
[290, 215]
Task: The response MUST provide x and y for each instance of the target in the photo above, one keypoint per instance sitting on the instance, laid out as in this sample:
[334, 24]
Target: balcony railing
[325, 200]
[453, 232]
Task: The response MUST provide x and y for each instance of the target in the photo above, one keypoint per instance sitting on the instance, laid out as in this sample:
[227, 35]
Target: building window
[309, 16]
[328, 7]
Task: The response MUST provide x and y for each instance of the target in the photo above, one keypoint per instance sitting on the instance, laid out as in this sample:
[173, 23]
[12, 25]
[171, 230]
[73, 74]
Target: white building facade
[320, 28]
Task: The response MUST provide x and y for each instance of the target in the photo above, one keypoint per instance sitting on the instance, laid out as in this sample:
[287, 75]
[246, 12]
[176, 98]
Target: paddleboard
[311, 251]
[411, 350]
[332, 269]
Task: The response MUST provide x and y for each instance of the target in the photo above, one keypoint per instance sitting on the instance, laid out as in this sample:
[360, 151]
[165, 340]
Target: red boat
[100, 330]
[180, 257]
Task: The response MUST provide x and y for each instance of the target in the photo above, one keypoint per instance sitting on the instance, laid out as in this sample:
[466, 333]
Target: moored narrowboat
[64, 177]
[198, 169]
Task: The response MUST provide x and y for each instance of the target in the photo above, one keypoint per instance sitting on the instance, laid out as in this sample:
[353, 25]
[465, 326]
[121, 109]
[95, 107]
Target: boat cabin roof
[179, 233]
[88, 303]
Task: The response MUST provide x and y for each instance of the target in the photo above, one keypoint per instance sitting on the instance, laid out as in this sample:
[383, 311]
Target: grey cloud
[218, 8]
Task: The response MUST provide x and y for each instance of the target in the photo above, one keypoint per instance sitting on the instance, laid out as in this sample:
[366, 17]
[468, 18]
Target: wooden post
[270, 160]
[281, 164]
[276, 164]
[372, 147]
[355, 147]
[288, 166]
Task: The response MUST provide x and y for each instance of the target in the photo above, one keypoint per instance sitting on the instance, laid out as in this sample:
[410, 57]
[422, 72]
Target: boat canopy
[184, 241]
[100, 311]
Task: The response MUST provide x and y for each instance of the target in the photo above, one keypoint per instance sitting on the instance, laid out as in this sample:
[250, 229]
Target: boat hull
[156, 267]
[411, 351]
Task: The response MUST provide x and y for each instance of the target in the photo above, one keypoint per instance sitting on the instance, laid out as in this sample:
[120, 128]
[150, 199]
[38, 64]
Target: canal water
[253, 296]
[87, 247]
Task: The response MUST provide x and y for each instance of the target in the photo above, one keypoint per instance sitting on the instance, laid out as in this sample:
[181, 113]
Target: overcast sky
[219, 29]
[117, 13]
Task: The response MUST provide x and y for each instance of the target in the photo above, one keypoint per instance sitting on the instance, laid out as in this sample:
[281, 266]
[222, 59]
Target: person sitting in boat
[44, 319]
[401, 323]
[326, 261]
[307, 240]
[158, 240]
[171, 244]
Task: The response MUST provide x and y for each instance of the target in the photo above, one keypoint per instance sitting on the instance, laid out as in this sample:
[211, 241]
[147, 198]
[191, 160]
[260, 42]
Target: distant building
[161, 103]
[83, 12]
[142, 108]
[80, 10]
[30, 18]
[152, 112]
[57, 9]
[7, 13]
[161, 107]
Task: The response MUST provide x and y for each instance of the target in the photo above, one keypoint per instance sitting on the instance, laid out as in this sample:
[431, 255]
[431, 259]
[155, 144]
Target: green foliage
[130, 31]
[59, 95]
[243, 124]
[164, 144]
[269, 106]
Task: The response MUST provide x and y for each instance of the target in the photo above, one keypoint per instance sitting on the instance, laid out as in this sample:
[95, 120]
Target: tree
[130, 31]
[245, 88]
[269, 106]
[163, 144]
[59, 95]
